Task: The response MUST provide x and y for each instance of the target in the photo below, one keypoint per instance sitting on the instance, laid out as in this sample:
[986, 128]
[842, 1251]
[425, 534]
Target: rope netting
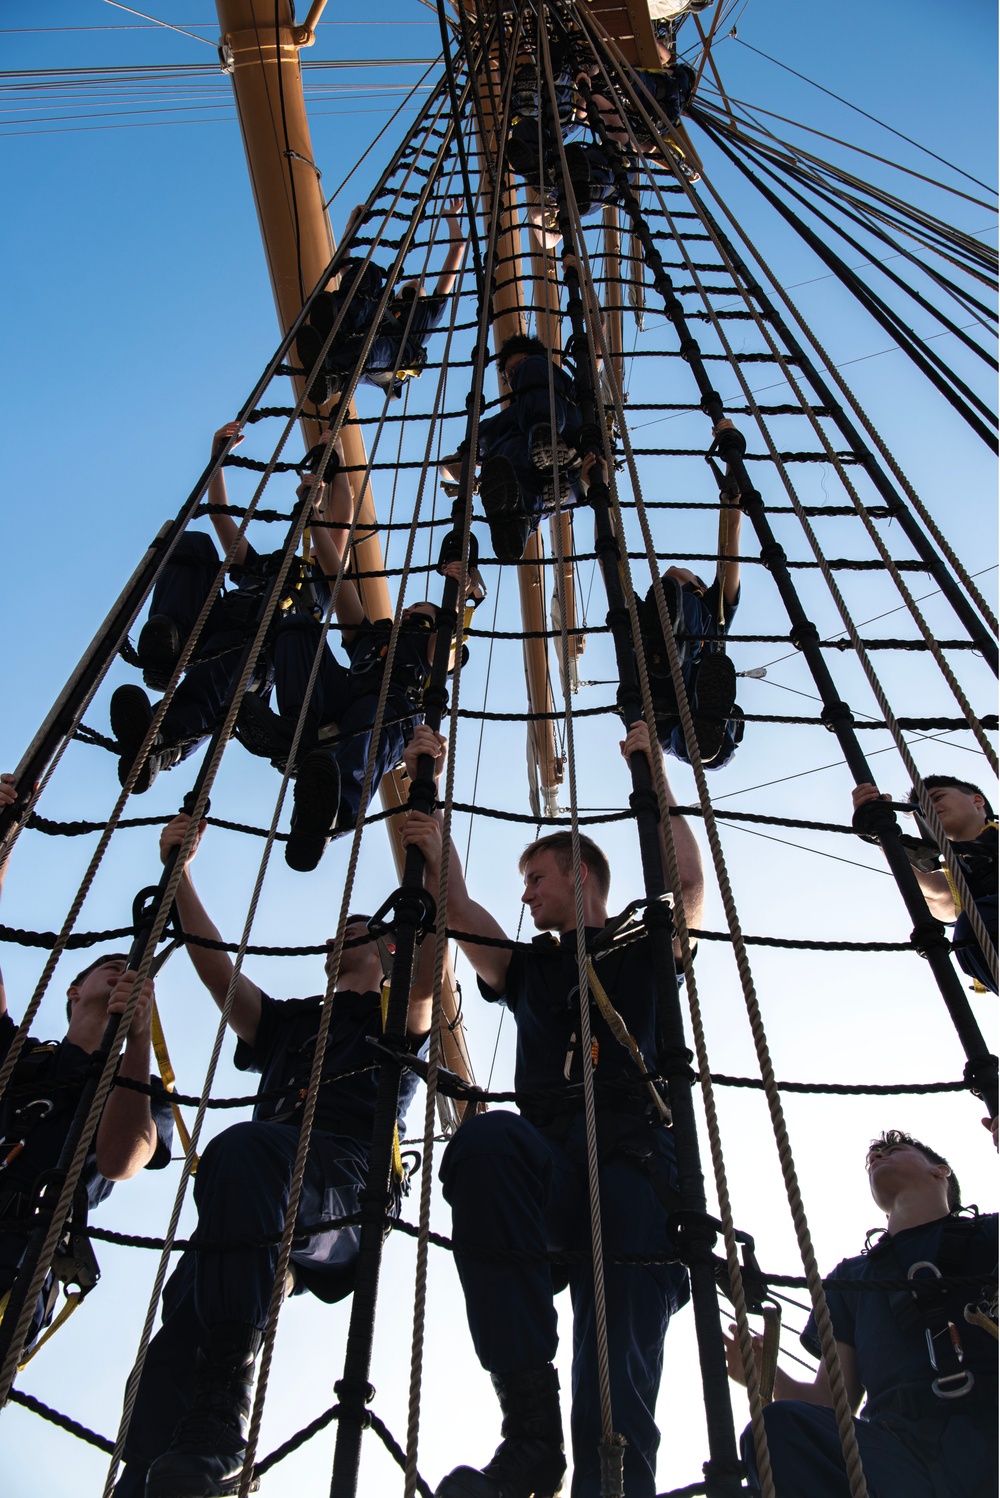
[839, 539]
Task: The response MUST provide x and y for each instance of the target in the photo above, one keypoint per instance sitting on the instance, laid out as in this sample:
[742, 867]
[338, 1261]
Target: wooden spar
[298, 244]
[614, 298]
[508, 310]
[628, 27]
[629, 22]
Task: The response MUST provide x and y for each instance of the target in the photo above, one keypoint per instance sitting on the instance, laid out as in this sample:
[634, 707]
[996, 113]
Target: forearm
[937, 893]
[787, 1387]
[225, 526]
[126, 1135]
[446, 280]
[689, 865]
[215, 969]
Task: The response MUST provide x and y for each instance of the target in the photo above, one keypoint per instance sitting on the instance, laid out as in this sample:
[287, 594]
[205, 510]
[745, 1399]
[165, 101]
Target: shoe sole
[158, 651]
[131, 715]
[317, 801]
[545, 453]
[258, 730]
[308, 346]
[501, 497]
[715, 689]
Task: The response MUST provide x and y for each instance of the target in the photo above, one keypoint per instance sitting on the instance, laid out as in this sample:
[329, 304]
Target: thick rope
[824, 1325]
[326, 1014]
[831, 370]
[435, 1056]
[673, 875]
[975, 919]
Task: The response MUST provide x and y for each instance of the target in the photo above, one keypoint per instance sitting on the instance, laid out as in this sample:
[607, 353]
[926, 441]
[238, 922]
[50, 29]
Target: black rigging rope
[874, 118]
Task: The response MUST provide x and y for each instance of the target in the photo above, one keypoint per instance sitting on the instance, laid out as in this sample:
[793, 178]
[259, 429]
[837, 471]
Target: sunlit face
[957, 811]
[893, 1167]
[549, 893]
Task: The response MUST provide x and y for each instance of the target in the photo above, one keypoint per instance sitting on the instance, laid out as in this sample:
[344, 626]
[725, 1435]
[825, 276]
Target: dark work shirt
[58, 1070]
[978, 859]
[541, 993]
[410, 668]
[427, 314]
[890, 1357]
[282, 1053]
[305, 581]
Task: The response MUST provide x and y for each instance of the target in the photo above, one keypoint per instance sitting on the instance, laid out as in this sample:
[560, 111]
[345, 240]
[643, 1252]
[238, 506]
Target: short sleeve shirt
[58, 1070]
[541, 993]
[891, 1357]
[427, 314]
[282, 1053]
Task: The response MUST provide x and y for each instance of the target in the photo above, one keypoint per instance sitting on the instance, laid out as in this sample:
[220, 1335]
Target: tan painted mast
[298, 244]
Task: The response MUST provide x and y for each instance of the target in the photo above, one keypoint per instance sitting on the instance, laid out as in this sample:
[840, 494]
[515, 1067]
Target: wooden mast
[263, 61]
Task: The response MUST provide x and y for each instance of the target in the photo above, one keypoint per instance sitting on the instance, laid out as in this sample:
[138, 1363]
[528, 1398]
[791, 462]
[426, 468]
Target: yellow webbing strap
[769, 1352]
[621, 1032]
[168, 1078]
[72, 1301]
[975, 1316]
[397, 1154]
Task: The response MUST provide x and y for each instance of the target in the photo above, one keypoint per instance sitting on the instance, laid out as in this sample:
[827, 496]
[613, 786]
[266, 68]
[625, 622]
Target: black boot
[327, 382]
[131, 715]
[158, 650]
[205, 1456]
[314, 815]
[657, 660]
[529, 1462]
[500, 493]
[714, 700]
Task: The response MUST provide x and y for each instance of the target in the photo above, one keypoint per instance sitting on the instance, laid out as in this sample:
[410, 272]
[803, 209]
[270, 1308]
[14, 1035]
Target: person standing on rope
[135, 1130]
[929, 1427]
[334, 747]
[188, 1430]
[969, 823]
[701, 616]
[521, 447]
[517, 1182]
[399, 349]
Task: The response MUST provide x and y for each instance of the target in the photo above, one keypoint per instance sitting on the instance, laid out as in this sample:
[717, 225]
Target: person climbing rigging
[701, 616]
[929, 1425]
[969, 823]
[334, 747]
[399, 348]
[187, 1435]
[135, 1130]
[533, 153]
[522, 446]
[518, 1181]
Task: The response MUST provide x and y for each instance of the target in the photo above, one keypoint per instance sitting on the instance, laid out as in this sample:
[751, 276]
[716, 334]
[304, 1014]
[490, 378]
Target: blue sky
[139, 315]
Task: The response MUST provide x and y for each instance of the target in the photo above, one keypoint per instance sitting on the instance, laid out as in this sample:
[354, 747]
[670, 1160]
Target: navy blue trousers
[241, 1190]
[337, 698]
[807, 1462]
[200, 698]
[698, 621]
[180, 593]
[971, 959]
[510, 1187]
[507, 434]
